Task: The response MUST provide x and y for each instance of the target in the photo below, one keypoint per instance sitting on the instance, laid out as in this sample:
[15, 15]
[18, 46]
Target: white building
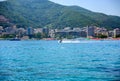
[116, 32]
[38, 30]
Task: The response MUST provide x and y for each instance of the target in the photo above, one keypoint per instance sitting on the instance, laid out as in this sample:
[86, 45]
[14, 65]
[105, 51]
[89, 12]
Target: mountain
[44, 13]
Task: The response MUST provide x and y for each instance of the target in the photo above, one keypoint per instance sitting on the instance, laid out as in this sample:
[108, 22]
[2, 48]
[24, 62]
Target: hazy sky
[110, 7]
[2, 0]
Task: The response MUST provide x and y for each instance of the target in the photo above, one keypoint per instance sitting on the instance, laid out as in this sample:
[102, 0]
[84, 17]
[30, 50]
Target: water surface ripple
[53, 61]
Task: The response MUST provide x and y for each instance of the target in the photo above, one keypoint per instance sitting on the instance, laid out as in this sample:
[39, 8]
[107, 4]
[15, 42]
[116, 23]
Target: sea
[43, 60]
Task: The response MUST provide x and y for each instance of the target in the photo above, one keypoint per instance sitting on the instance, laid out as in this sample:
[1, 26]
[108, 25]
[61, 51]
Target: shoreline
[50, 39]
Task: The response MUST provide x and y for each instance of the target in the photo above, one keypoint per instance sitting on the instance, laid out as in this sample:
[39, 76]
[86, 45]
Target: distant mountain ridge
[44, 13]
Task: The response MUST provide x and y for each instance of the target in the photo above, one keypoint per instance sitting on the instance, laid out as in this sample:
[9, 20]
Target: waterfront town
[92, 32]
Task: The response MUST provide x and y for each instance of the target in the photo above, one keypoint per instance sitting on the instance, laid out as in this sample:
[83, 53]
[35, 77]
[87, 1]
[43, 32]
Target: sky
[109, 7]
[2, 0]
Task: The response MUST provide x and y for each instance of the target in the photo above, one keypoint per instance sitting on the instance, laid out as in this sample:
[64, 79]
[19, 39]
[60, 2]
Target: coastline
[50, 39]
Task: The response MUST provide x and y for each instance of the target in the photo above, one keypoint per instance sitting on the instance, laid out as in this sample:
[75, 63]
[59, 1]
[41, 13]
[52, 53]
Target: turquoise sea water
[53, 61]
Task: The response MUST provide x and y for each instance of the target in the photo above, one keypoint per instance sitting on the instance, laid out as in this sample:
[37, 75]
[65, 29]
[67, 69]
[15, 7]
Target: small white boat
[69, 41]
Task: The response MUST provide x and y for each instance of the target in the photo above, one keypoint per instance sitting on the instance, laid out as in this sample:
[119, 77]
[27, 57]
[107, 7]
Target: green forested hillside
[43, 13]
